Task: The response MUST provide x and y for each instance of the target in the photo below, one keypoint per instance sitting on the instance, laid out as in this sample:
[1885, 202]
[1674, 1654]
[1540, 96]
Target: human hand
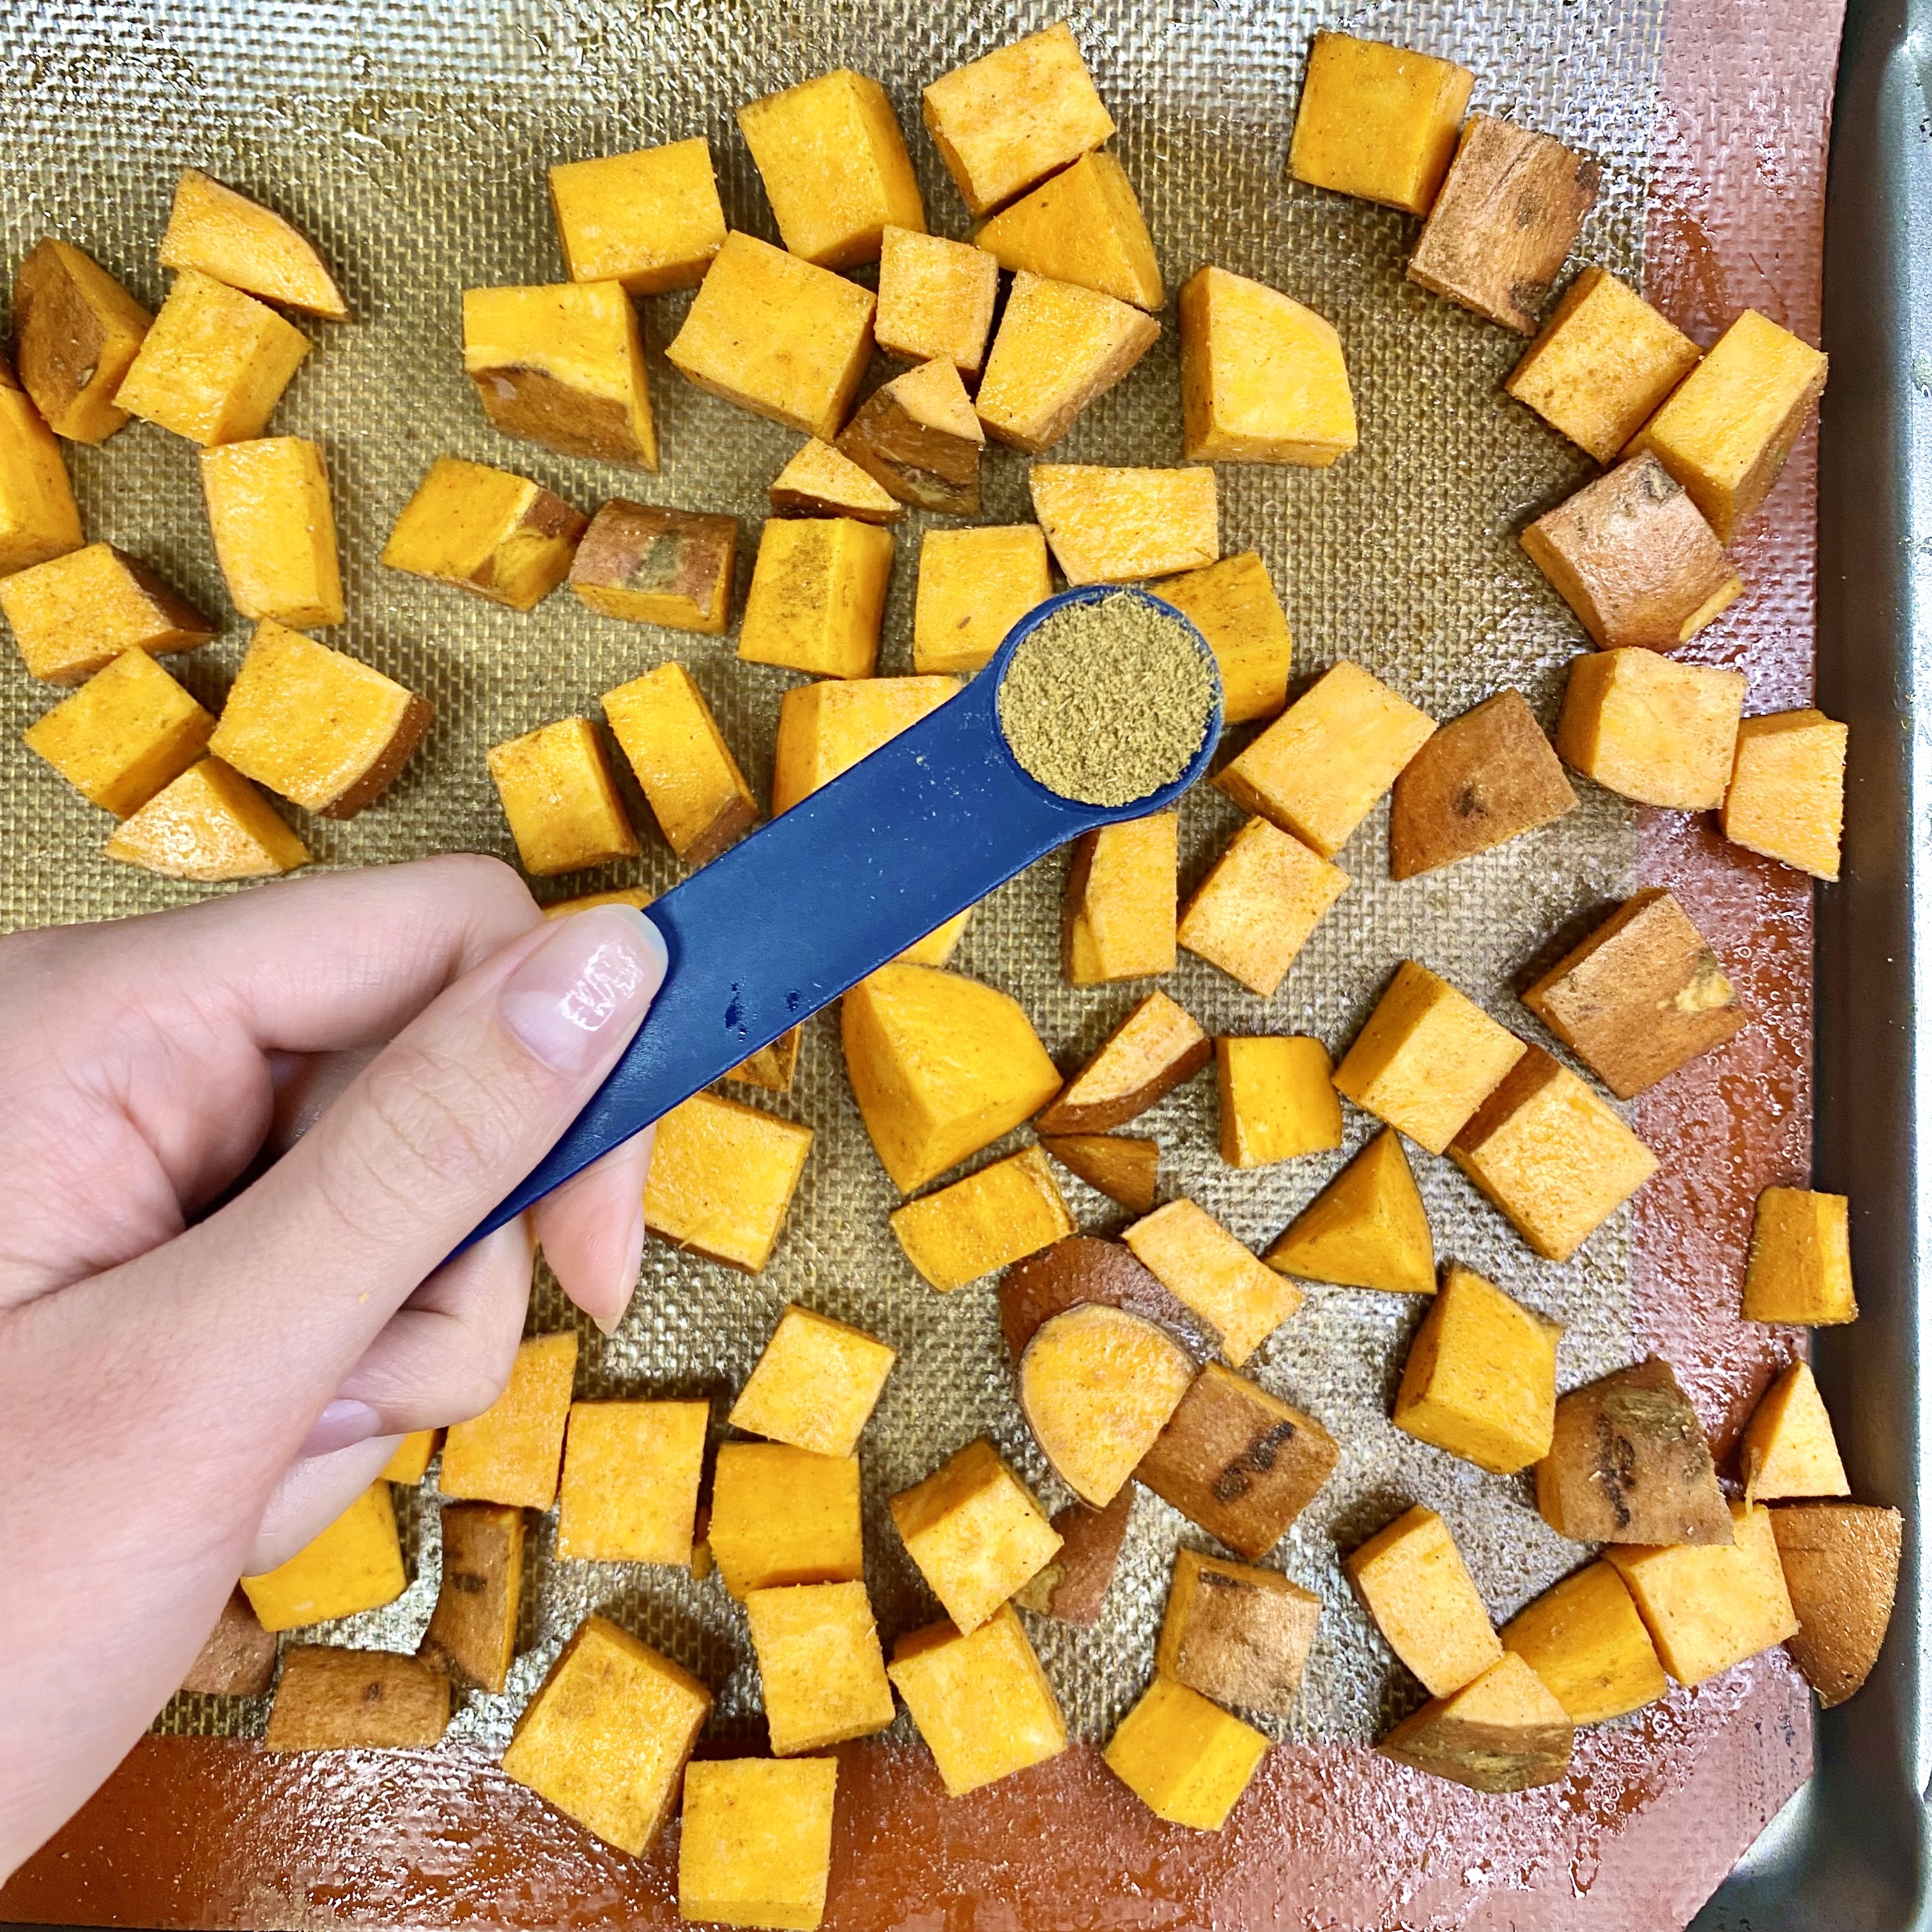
[183, 1400]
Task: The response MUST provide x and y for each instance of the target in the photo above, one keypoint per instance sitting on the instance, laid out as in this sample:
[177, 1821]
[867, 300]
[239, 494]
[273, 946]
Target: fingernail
[586, 985]
[340, 1426]
[633, 1260]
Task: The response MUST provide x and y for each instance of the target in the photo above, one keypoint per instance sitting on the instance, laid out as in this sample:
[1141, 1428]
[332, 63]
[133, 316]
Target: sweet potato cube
[511, 1452]
[1378, 122]
[692, 783]
[563, 366]
[1117, 525]
[38, 517]
[777, 336]
[755, 1844]
[1725, 431]
[1427, 1059]
[639, 896]
[1096, 1386]
[1254, 911]
[936, 298]
[1585, 1639]
[815, 1385]
[1841, 1563]
[73, 615]
[1014, 116]
[1124, 1168]
[1200, 1264]
[650, 219]
[1503, 221]
[1788, 1448]
[607, 1737]
[817, 596]
[1262, 379]
[473, 1630]
[631, 1472]
[1187, 1760]
[1601, 364]
[1059, 346]
[827, 726]
[974, 585]
[975, 1532]
[1233, 605]
[835, 167]
[1157, 1046]
[560, 799]
[225, 235]
[1318, 770]
[76, 330]
[127, 732]
[214, 363]
[1786, 795]
[650, 565]
[818, 482]
[1642, 995]
[1238, 1635]
[999, 1215]
[330, 1699]
[1505, 1731]
[820, 1666]
[722, 1177]
[1630, 554]
[1073, 1587]
[940, 1066]
[1800, 1268]
[1082, 226]
[410, 1462]
[356, 1564]
[1117, 917]
[1238, 1461]
[210, 825]
[274, 529]
[238, 1659]
[1555, 1157]
[782, 1515]
[1277, 1099]
[981, 1702]
[1411, 1580]
[917, 436]
[1367, 1229]
[327, 732]
[1627, 1462]
[485, 530]
[1709, 1605]
[1479, 1382]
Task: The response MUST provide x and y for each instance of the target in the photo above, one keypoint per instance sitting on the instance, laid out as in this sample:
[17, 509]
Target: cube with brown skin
[918, 437]
[238, 1659]
[325, 731]
[1786, 795]
[693, 785]
[1583, 1637]
[1112, 526]
[1654, 730]
[1084, 1270]
[473, 1630]
[1841, 1563]
[39, 518]
[73, 615]
[1117, 915]
[1631, 556]
[650, 219]
[485, 530]
[1233, 604]
[1628, 1463]
[75, 330]
[1073, 1586]
[1411, 1580]
[1800, 1266]
[1203, 1265]
[936, 299]
[818, 482]
[1059, 346]
[126, 733]
[1510, 208]
[1255, 909]
[211, 825]
[771, 1067]
[651, 565]
[274, 527]
[722, 1179]
[1083, 225]
[974, 587]
[1238, 1635]
[224, 234]
[560, 799]
[1641, 996]
[334, 1699]
[1484, 778]
[1505, 1731]
[1156, 1048]
[1122, 1167]
[1239, 1462]
[997, 1215]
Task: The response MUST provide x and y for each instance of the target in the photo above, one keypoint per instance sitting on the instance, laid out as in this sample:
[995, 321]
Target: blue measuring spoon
[788, 919]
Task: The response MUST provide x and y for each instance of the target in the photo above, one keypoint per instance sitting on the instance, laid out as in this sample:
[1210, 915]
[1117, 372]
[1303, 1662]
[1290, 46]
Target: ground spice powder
[1106, 702]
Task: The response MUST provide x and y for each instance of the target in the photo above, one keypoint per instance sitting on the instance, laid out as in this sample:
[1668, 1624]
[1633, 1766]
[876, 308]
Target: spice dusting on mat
[1106, 702]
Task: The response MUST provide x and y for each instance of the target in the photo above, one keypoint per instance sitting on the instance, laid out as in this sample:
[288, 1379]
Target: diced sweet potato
[815, 1385]
[918, 436]
[274, 529]
[1786, 795]
[210, 825]
[1642, 995]
[1840, 1563]
[1202, 1264]
[639, 896]
[237, 241]
[238, 1659]
[1118, 915]
[1411, 1580]
[560, 799]
[817, 596]
[1377, 120]
[820, 482]
[1583, 1637]
[1659, 732]
[1788, 1448]
[651, 565]
[981, 1702]
[1059, 346]
[1800, 1267]
[781, 1515]
[1084, 1270]
[1187, 1760]
[651, 219]
[334, 1699]
[975, 1532]
[1124, 1168]
[1115, 526]
[1083, 225]
[473, 1630]
[773, 1067]
[974, 587]
[39, 518]
[74, 614]
[511, 1453]
[936, 299]
[1277, 1100]
[1254, 911]
[1073, 1586]
[1233, 605]
[126, 733]
[754, 1845]
[722, 1178]
[1262, 378]
[1367, 1229]
[355, 1564]
[999, 1215]
[1156, 1048]
[411, 1459]
[1238, 1635]
[75, 330]
[629, 1489]
[1504, 1733]
[692, 783]
[827, 726]
[485, 530]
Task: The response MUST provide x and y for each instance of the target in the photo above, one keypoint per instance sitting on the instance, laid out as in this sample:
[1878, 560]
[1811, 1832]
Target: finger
[312, 1493]
[591, 1230]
